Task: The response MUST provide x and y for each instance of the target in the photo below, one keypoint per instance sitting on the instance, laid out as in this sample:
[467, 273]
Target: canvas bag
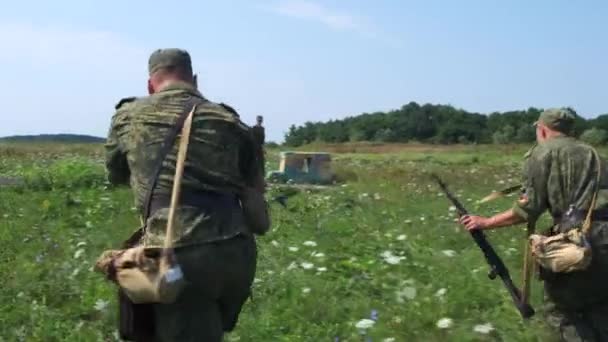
[569, 251]
[152, 275]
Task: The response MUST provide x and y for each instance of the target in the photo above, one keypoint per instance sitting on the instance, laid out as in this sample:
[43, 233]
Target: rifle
[497, 267]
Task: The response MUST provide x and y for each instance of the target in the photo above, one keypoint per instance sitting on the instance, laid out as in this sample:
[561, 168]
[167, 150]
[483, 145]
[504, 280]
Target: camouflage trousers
[220, 276]
[590, 325]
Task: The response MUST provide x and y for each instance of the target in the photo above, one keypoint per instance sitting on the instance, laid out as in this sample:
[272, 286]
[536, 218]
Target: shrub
[595, 136]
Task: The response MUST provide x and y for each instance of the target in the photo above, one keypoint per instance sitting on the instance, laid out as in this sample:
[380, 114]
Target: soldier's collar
[179, 85]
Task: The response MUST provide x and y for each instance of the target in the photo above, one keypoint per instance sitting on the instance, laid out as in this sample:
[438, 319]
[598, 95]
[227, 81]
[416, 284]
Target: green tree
[525, 134]
[595, 136]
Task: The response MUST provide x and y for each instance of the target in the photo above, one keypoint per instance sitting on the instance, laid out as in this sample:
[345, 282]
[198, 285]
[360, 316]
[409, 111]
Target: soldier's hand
[471, 222]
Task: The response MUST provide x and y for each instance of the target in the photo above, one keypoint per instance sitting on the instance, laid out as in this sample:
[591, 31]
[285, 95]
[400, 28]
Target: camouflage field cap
[559, 119]
[173, 57]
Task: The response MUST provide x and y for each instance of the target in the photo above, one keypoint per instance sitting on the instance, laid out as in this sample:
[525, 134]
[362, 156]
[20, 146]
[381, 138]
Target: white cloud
[310, 10]
[333, 19]
[47, 47]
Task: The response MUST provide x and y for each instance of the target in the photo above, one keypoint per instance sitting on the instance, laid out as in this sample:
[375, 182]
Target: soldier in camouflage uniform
[260, 136]
[213, 245]
[560, 173]
[258, 130]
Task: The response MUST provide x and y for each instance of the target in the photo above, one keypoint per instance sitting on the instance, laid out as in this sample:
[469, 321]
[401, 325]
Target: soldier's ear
[195, 80]
[150, 87]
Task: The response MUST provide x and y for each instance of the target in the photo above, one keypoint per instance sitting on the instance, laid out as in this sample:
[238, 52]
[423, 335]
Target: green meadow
[376, 257]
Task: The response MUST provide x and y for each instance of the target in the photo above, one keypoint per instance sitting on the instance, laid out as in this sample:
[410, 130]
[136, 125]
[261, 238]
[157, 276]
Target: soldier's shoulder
[124, 101]
[229, 109]
[220, 110]
[530, 151]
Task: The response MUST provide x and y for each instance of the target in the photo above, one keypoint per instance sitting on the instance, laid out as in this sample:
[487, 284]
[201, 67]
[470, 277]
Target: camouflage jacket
[221, 158]
[559, 173]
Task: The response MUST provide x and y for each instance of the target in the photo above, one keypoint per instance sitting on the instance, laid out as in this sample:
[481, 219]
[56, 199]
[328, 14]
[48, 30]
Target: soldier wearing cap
[560, 177]
[260, 136]
[258, 130]
[213, 245]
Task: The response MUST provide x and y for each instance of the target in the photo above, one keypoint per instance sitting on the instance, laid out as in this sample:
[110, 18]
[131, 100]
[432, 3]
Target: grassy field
[375, 258]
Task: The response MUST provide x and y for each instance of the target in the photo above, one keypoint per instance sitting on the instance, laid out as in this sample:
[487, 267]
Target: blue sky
[66, 63]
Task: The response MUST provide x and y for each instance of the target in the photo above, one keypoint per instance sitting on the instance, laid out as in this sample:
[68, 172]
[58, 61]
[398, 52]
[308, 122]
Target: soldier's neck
[170, 83]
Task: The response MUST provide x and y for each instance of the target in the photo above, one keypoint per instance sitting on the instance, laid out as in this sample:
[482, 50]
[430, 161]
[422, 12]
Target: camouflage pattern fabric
[211, 303]
[221, 158]
[558, 173]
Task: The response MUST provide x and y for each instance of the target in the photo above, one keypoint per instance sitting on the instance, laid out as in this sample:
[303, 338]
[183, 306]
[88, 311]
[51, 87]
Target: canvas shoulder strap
[166, 146]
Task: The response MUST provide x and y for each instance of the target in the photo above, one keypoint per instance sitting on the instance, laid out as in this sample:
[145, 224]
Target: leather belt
[209, 200]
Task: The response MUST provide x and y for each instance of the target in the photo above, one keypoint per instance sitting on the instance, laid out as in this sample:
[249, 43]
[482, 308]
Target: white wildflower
[390, 258]
[401, 237]
[444, 323]
[292, 266]
[377, 196]
[293, 249]
[441, 292]
[318, 255]
[322, 269]
[483, 328]
[306, 290]
[78, 253]
[449, 253]
[274, 243]
[310, 243]
[389, 339]
[452, 208]
[422, 218]
[365, 323]
[307, 265]
[81, 244]
[79, 325]
[406, 293]
[100, 304]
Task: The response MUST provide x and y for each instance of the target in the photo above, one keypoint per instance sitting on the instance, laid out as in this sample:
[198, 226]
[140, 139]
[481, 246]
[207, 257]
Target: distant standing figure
[260, 136]
[258, 130]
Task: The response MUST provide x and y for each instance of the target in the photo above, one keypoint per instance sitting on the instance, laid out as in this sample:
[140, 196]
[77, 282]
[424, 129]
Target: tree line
[438, 124]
